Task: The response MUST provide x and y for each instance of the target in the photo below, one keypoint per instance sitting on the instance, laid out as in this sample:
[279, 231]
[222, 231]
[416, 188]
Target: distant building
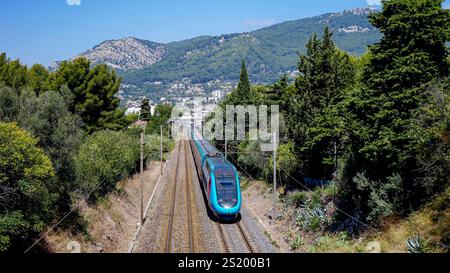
[218, 95]
[133, 110]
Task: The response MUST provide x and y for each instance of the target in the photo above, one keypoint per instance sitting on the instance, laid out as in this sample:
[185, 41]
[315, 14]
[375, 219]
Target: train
[219, 177]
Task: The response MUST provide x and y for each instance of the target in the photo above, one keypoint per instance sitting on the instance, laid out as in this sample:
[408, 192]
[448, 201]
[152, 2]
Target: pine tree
[395, 76]
[145, 110]
[242, 95]
[325, 75]
[276, 95]
[94, 93]
[12, 73]
[38, 77]
[411, 53]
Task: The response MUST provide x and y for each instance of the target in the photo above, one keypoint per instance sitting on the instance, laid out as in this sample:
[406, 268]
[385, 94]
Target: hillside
[269, 52]
[128, 53]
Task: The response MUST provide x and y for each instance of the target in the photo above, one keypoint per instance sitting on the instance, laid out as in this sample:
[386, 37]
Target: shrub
[152, 146]
[297, 198]
[385, 199]
[250, 157]
[287, 162]
[104, 159]
[27, 187]
[326, 193]
[336, 243]
[9, 103]
[59, 132]
[313, 213]
[297, 243]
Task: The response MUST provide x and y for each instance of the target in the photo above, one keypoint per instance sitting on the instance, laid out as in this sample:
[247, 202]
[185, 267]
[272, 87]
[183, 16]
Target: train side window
[207, 171]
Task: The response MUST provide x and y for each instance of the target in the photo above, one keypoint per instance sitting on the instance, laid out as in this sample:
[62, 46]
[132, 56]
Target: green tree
[59, 133]
[9, 104]
[287, 163]
[242, 95]
[161, 117]
[384, 139]
[94, 94]
[276, 95]
[250, 157]
[314, 123]
[145, 110]
[104, 159]
[38, 77]
[432, 120]
[12, 73]
[26, 173]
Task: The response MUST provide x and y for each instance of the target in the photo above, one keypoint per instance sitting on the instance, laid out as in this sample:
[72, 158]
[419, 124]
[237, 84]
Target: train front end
[225, 198]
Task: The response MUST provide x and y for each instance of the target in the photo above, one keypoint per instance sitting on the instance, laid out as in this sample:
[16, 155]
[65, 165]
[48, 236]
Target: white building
[133, 110]
[218, 95]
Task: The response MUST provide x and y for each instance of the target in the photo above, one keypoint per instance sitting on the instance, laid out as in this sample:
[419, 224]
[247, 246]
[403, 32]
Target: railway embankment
[426, 230]
[110, 224]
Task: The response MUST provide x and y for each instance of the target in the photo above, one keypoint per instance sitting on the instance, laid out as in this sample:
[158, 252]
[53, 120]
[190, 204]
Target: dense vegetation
[27, 188]
[375, 128]
[161, 117]
[63, 138]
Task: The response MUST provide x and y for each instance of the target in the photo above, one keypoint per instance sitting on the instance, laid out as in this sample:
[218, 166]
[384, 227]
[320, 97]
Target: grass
[245, 183]
[297, 198]
[104, 202]
[336, 243]
[432, 224]
[273, 242]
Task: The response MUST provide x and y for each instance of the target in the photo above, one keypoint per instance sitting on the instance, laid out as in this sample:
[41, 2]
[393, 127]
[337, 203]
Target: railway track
[180, 177]
[169, 239]
[229, 234]
[188, 198]
[251, 246]
[223, 240]
[245, 238]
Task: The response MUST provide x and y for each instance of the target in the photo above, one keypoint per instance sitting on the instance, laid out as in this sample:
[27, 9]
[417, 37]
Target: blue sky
[43, 31]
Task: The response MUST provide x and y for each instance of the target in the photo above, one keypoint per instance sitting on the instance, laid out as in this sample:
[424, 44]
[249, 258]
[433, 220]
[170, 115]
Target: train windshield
[226, 186]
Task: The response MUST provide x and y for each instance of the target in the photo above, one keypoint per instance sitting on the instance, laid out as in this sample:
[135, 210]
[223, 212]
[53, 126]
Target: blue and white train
[219, 177]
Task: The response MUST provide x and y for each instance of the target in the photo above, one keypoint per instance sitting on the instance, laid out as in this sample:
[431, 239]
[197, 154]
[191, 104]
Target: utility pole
[335, 162]
[142, 179]
[161, 150]
[226, 144]
[274, 217]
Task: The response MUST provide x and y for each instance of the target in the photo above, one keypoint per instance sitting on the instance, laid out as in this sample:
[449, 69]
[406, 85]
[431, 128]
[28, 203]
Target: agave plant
[297, 243]
[312, 217]
[416, 244]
